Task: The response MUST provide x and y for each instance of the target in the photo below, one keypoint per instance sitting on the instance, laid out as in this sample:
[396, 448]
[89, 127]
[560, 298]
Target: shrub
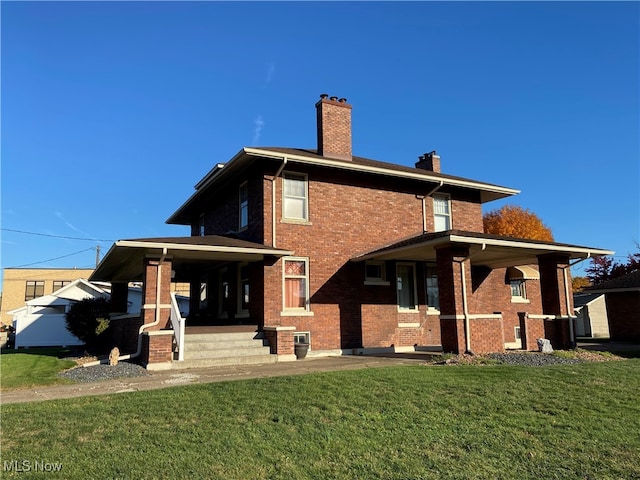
[88, 320]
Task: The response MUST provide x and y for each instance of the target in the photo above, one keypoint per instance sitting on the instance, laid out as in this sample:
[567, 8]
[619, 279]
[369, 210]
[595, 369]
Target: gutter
[273, 202]
[424, 204]
[565, 276]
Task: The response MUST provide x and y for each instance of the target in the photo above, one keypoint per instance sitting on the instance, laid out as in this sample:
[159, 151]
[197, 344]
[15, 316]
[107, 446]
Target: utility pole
[97, 255]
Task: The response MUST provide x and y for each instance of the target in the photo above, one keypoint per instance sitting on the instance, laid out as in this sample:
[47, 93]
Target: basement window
[302, 337]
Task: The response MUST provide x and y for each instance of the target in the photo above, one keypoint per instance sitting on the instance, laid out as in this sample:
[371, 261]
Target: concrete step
[225, 361]
[225, 345]
[228, 352]
[222, 337]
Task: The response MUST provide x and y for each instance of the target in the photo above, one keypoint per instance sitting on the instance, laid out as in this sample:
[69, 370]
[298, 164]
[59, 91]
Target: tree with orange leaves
[517, 222]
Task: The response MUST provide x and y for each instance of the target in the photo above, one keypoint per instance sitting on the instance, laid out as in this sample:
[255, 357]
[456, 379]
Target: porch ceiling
[124, 262]
[489, 250]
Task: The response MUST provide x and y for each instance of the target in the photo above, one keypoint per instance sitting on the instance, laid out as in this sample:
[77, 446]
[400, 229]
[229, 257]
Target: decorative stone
[544, 345]
[113, 356]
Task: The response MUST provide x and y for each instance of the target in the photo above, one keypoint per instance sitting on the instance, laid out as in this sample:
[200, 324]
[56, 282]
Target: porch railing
[177, 322]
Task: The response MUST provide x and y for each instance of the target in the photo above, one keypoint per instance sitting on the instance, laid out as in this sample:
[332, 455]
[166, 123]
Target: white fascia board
[379, 170]
[202, 248]
[588, 252]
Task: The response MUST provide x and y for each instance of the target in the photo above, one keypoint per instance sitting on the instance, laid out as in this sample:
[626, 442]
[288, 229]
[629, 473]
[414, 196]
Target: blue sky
[111, 112]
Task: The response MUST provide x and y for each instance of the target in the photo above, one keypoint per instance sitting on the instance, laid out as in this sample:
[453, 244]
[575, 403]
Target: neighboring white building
[42, 321]
[591, 313]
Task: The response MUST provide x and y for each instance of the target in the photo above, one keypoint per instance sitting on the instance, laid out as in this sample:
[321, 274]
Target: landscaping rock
[544, 345]
[96, 373]
[113, 356]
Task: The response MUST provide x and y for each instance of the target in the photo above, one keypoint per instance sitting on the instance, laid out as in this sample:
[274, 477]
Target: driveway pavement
[171, 378]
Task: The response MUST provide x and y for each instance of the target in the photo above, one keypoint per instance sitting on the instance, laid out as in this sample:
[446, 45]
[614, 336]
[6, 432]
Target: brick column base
[281, 342]
[157, 350]
[531, 329]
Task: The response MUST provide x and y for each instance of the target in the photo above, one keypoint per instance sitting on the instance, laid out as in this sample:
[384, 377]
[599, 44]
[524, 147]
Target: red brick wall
[623, 311]
[491, 293]
[486, 335]
[453, 339]
[531, 329]
[156, 349]
[554, 298]
[281, 342]
[124, 334]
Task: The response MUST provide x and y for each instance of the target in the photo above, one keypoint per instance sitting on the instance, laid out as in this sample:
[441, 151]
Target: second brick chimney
[334, 127]
[429, 161]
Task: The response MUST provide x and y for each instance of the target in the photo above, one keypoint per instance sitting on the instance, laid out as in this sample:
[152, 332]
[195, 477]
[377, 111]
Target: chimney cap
[324, 95]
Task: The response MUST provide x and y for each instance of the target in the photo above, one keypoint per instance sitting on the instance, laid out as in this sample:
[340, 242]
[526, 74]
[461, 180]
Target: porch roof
[124, 260]
[493, 251]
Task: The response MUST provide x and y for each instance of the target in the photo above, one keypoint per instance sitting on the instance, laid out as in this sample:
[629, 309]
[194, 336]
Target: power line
[52, 259]
[57, 236]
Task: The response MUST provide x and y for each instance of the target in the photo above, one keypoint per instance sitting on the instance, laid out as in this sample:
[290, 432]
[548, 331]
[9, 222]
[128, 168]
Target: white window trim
[297, 311]
[305, 220]
[415, 308]
[307, 334]
[447, 198]
[240, 226]
[242, 313]
[373, 280]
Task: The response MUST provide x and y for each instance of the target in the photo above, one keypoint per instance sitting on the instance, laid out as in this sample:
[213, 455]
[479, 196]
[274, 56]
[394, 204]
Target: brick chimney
[334, 127]
[429, 161]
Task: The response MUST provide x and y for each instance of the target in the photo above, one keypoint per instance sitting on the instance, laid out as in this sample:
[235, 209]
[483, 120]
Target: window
[203, 296]
[431, 284]
[441, 213]
[517, 333]
[243, 289]
[58, 284]
[301, 337]
[518, 290]
[296, 284]
[34, 289]
[243, 199]
[406, 285]
[201, 226]
[295, 204]
[374, 273]
[223, 294]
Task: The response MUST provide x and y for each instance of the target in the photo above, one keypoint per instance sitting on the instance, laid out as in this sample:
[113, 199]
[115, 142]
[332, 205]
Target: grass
[464, 422]
[32, 367]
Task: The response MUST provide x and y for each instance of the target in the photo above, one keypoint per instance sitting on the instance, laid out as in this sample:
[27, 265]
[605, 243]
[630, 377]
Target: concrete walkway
[172, 378]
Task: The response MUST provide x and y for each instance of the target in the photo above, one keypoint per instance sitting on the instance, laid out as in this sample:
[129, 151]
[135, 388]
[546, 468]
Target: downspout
[424, 204]
[465, 304]
[146, 325]
[273, 201]
[572, 337]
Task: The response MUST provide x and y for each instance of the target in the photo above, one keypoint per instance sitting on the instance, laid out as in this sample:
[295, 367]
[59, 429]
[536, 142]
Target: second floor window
[295, 197]
[34, 289]
[441, 213]
[243, 203]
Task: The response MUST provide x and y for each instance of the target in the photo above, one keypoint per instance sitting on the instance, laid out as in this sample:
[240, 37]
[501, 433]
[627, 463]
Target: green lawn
[31, 367]
[411, 422]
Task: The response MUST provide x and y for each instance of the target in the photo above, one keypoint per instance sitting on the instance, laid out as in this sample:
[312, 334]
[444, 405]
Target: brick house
[348, 254]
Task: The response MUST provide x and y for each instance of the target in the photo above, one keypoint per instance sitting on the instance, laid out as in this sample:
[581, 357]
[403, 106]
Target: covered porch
[491, 292]
[225, 275]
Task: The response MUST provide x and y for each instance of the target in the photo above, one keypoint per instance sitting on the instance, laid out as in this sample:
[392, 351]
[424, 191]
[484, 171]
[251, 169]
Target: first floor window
[295, 204]
[201, 226]
[243, 288]
[518, 290]
[296, 284]
[431, 283]
[223, 293]
[406, 285]
[374, 272]
[34, 289]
